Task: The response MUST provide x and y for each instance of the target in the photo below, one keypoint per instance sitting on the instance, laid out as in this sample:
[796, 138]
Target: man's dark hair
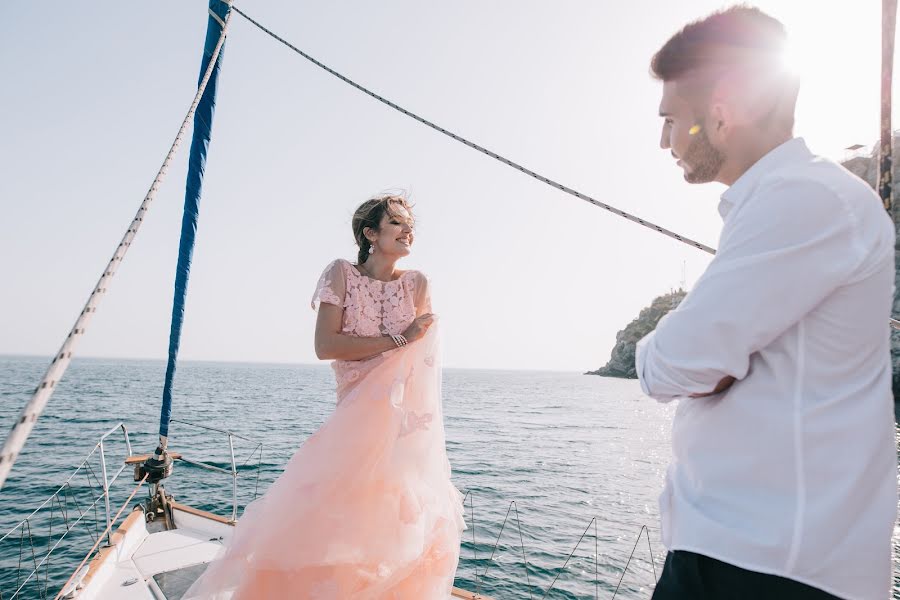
[740, 38]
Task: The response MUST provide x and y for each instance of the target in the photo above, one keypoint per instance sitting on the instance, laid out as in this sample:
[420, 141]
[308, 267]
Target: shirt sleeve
[331, 287]
[791, 245]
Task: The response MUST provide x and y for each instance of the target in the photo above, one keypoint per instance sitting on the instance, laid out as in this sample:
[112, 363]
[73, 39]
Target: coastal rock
[866, 168]
[621, 362]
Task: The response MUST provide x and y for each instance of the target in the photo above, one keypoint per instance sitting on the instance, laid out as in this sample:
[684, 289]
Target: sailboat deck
[161, 565]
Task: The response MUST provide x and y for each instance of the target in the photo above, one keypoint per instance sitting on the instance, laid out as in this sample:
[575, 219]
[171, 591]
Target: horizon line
[49, 357]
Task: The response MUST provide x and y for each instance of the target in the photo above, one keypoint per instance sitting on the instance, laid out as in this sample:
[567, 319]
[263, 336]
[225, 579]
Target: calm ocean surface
[565, 448]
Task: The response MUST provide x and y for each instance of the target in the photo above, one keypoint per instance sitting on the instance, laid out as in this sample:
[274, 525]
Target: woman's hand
[418, 327]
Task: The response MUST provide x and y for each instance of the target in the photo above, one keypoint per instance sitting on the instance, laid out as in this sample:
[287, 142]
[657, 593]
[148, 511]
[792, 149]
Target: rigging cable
[894, 323]
[16, 438]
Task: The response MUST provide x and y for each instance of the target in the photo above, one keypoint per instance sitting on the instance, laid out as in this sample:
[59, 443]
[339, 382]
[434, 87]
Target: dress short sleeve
[331, 287]
[422, 298]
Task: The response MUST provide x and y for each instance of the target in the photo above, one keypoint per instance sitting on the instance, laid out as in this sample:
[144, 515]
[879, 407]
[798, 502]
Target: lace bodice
[372, 307]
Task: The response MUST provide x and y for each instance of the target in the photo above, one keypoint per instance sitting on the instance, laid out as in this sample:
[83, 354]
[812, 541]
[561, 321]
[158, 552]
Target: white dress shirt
[793, 470]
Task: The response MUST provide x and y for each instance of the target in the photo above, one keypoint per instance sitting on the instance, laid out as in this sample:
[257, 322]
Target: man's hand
[723, 385]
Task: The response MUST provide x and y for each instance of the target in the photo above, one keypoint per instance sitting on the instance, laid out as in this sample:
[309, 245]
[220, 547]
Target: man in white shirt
[783, 481]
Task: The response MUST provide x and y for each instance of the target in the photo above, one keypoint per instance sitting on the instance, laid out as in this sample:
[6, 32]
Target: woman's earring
[371, 249]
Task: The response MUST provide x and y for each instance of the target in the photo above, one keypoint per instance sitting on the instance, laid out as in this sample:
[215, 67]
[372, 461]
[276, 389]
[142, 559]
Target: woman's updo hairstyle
[369, 215]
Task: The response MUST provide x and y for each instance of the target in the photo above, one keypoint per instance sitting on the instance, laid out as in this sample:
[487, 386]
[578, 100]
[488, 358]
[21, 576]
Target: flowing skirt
[365, 508]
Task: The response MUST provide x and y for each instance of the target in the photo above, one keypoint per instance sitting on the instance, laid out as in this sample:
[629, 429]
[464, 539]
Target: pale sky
[524, 277]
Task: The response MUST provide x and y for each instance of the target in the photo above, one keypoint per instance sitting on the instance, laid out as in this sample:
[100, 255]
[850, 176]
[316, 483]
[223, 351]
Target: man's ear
[720, 122]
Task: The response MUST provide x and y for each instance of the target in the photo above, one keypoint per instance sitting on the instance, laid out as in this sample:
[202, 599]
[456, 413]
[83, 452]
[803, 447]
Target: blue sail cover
[196, 167]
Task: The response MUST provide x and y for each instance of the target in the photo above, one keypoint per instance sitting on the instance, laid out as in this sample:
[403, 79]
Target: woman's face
[395, 234]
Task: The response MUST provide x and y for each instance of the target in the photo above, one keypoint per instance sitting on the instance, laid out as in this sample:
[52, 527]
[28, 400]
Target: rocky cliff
[866, 167]
[621, 362]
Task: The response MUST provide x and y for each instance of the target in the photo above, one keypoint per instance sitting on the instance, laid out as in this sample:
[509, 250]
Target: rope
[29, 415]
[100, 537]
[571, 554]
[652, 561]
[482, 149]
[69, 528]
[554, 184]
[478, 580]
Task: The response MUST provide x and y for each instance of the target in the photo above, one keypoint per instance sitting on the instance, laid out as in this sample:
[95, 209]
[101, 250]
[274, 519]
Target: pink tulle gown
[365, 508]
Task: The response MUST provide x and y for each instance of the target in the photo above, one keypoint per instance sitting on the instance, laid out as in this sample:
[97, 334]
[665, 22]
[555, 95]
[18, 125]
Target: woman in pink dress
[365, 508]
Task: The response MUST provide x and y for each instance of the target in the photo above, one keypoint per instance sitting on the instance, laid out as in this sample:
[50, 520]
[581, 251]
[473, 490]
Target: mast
[885, 154]
[159, 466]
[885, 183]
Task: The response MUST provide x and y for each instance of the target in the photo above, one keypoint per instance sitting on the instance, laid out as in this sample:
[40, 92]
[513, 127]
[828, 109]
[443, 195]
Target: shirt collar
[791, 151]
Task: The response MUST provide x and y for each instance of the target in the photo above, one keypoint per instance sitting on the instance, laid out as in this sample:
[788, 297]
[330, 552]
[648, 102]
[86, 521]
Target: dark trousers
[690, 576]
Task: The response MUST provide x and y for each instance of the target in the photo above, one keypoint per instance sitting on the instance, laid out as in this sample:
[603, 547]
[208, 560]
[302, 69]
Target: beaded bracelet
[399, 340]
